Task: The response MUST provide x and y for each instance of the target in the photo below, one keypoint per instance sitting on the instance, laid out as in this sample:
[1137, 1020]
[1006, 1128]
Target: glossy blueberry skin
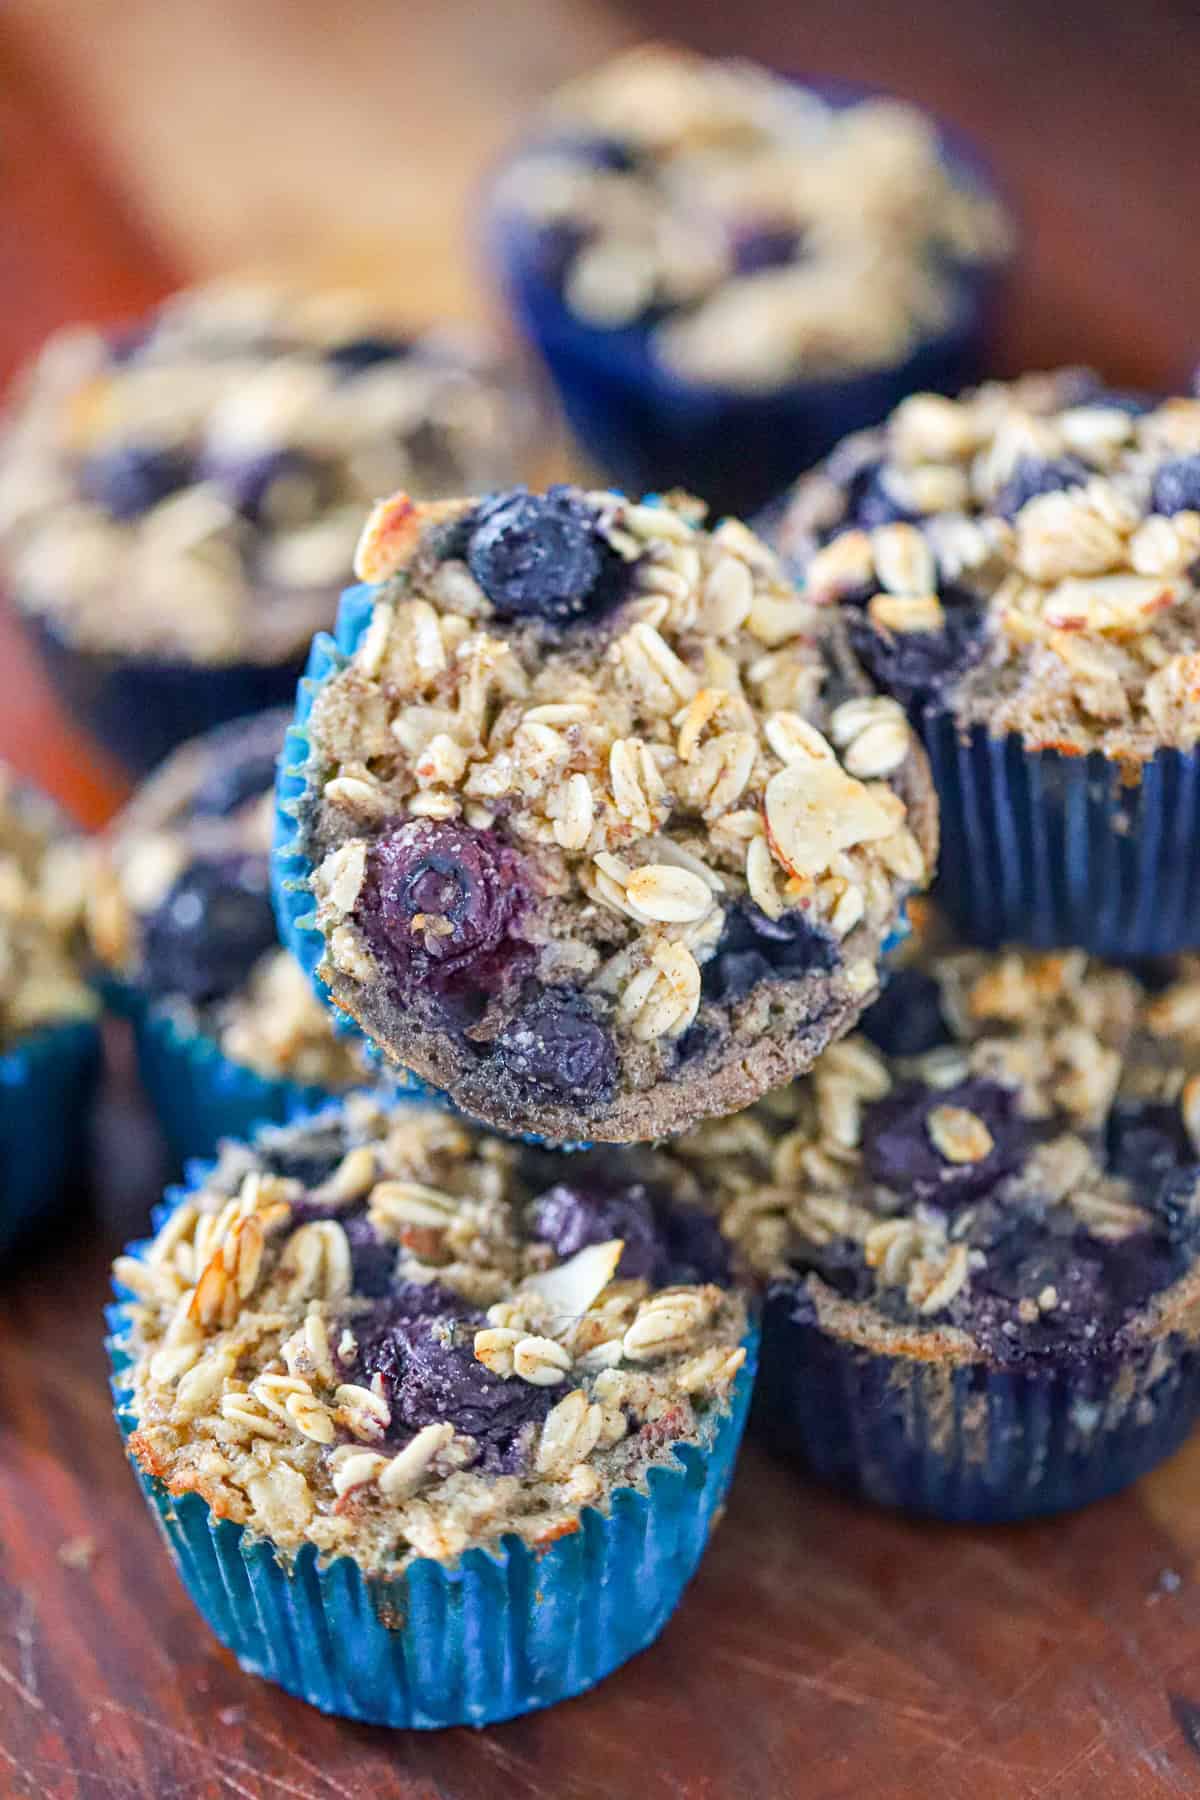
[650, 430]
[555, 1048]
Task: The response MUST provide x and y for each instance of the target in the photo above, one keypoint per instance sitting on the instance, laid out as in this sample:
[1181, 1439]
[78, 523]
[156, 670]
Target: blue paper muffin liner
[501, 1632]
[199, 1095]
[47, 1083]
[1051, 850]
[970, 1441]
[651, 429]
[139, 708]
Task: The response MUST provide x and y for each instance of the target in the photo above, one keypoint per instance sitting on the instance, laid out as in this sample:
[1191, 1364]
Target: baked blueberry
[131, 478]
[287, 486]
[918, 666]
[754, 948]
[537, 555]
[352, 355]
[1034, 476]
[210, 929]
[1177, 485]
[556, 1047]
[947, 1146]
[907, 1019]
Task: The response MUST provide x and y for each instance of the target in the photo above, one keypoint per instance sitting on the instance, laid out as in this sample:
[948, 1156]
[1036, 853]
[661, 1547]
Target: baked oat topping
[42, 892]
[1011, 1149]
[590, 807]
[179, 906]
[1027, 555]
[194, 488]
[760, 233]
[390, 1335]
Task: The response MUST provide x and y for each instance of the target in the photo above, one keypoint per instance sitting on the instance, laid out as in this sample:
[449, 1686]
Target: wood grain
[826, 1650]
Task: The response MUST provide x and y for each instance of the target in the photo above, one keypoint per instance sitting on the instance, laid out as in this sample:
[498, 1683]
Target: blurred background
[147, 142]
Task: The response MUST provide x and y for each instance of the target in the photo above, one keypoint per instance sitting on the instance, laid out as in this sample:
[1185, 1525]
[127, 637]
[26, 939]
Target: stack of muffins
[576, 1035]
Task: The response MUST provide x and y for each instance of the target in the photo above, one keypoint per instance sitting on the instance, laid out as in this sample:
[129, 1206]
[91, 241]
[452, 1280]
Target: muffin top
[604, 842]
[758, 232]
[1027, 556]
[1008, 1156]
[390, 1335]
[180, 908]
[192, 488]
[42, 888]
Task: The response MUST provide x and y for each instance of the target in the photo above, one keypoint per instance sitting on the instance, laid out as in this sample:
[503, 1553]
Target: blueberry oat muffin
[600, 840]
[725, 272]
[229, 1029]
[980, 1223]
[759, 232]
[49, 1042]
[389, 1338]
[1019, 569]
[179, 502]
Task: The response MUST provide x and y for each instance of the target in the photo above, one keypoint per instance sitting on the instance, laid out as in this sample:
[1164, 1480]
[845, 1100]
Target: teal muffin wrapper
[503, 1631]
[199, 1095]
[47, 1083]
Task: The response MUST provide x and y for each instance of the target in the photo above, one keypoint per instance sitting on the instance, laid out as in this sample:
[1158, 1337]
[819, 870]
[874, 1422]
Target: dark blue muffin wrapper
[651, 429]
[199, 1095]
[501, 1632]
[1049, 850]
[140, 708]
[970, 1440]
[47, 1083]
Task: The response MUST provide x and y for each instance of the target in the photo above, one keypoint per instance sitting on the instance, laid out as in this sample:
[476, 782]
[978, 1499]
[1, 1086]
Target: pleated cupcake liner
[503, 1631]
[141, 708]
[47, 1084]
[1050, 850]
[970, 1441]
[650, 428]
[201, 1096]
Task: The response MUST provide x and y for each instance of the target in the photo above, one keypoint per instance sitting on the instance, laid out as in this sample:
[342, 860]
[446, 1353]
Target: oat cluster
[248, 1379]
[1062, 522]
[768, 234]
[657, 767]
[42, 888]
[1067, 1036]
[195, 489]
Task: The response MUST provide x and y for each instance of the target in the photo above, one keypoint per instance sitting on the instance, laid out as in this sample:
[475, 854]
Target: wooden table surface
[826, 1649]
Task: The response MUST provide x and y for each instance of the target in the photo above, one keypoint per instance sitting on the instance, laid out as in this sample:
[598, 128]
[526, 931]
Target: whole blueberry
[1177, 485]
[907, 1018]
[870, 502]
[1146, 1140]
[128, 481]
[765, 246]
[754, 948]
[1175, 1204]
[1034, 476]
[915, 667]
[899, 1151]
[557, 1049]
[283, 485]
[437, 903]
[537, 555]
[205, 937]
[571, 1216]
[356, 354]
